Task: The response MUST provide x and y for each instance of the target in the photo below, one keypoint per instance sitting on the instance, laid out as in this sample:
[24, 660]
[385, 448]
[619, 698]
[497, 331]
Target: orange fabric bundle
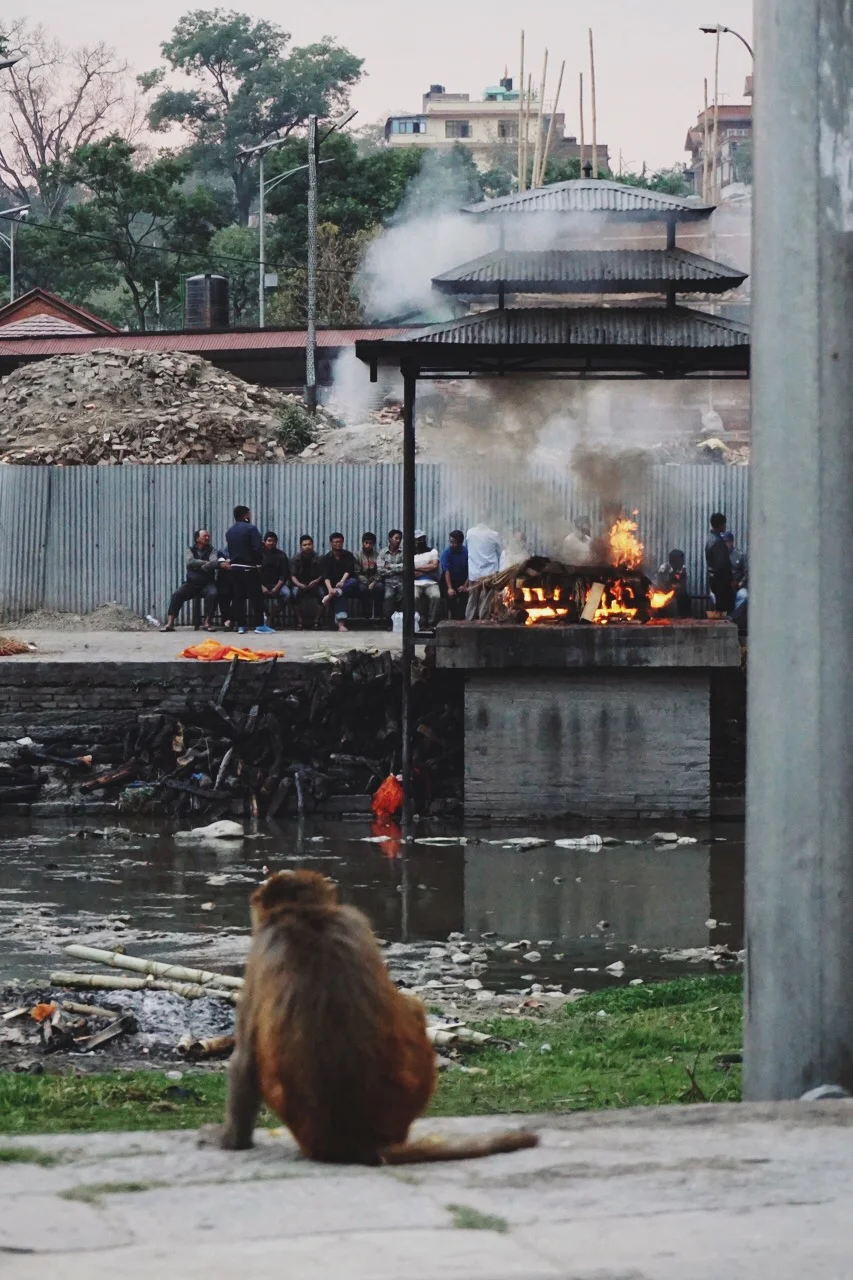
[388, 798]
[213, 651]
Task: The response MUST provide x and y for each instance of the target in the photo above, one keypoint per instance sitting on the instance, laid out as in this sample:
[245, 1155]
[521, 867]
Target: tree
[55, 100]
[233, 252]
[673, 182]
[138, 217]
[248, 88]
[338, 259]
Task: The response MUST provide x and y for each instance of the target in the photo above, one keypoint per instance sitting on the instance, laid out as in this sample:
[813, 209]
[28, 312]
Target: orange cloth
[213, 651]
[388, 798]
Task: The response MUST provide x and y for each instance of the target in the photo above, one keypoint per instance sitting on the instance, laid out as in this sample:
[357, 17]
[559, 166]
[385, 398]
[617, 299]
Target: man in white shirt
[427, 576]
[484, 559]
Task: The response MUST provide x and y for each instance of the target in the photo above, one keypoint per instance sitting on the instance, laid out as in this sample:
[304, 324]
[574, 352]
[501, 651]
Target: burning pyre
[614, 589]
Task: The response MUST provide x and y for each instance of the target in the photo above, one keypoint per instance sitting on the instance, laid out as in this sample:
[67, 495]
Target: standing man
[244, 553]
[339, 577]
[484, 559]
[454, 569]
[391, 568]
[202, 562]
[719, 565]
[427, 571]
[371, 588]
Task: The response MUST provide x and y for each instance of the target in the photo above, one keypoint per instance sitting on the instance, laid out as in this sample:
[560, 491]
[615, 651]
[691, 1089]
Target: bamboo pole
[537, 150]
[117, 960]
[706, 145]
[583, 144]
[521, 174]
[594, 108]
[110, 982]
[551, 124]
[714, 191]
[527, 127]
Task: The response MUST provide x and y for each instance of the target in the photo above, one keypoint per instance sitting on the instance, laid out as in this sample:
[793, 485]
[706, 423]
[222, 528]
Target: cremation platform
[599, 721]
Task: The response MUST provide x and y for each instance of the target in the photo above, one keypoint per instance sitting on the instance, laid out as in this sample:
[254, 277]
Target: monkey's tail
[430, 1149]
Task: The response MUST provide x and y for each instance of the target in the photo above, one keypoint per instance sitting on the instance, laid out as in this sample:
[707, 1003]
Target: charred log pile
[272, 742]
[541, 590]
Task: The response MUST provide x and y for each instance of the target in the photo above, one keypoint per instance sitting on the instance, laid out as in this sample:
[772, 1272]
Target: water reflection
[593, 906]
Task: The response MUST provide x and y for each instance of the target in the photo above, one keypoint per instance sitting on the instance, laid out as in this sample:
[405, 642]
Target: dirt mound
[109, 617]
[111, 407]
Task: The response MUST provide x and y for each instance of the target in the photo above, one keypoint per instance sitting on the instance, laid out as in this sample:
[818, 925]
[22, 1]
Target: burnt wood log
[126, 773]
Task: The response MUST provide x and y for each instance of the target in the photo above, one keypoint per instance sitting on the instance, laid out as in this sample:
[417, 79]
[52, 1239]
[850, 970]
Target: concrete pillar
[799, 1029]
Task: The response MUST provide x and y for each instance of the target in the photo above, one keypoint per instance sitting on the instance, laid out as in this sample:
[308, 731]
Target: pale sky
[651, 59]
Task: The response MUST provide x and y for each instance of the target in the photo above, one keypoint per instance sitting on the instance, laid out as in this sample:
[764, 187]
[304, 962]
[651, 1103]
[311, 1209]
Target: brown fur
[326, 1039]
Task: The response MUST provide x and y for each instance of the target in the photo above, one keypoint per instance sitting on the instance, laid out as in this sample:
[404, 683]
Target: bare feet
[342, 626]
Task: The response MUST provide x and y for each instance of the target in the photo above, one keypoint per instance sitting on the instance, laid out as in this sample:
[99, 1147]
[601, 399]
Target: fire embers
[561, 595]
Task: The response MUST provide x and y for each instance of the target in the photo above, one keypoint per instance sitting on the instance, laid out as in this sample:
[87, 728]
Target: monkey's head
[291, 890]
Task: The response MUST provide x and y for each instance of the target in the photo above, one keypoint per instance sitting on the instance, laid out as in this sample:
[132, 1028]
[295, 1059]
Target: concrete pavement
[653, 1194]
[152, 646]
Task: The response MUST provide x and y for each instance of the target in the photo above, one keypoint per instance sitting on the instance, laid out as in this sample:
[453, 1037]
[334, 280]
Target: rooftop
[589, 271]
[596, 196]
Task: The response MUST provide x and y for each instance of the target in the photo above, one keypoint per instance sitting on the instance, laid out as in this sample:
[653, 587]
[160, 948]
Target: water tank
[206, 302]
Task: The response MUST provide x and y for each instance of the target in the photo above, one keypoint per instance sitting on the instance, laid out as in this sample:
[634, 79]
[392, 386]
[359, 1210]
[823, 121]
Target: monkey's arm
[243, 1098]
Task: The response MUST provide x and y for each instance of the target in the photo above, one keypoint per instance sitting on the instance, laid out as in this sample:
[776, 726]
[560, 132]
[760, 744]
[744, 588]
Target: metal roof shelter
[588, 271]
[664, 341]
[632, 204]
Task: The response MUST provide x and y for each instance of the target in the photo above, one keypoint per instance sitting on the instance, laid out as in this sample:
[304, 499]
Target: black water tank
[206, 302]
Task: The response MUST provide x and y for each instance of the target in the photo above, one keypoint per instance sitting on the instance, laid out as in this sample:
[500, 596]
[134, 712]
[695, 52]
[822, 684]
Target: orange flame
[659, 599]
[626, 549]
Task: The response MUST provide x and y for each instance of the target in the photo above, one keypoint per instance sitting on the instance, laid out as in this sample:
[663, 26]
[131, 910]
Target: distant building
[39, 314]
[735, 145]
[486, 126]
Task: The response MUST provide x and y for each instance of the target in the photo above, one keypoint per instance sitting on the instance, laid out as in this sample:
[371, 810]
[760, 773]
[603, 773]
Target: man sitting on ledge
[202, 563]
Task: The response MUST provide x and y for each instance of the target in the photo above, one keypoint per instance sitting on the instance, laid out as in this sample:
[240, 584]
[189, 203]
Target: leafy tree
[673, 182]
[233, 252]
[247, 89]
[56, 100]
[742, 158]
[48, 256]
[338, 259]
[142, 222]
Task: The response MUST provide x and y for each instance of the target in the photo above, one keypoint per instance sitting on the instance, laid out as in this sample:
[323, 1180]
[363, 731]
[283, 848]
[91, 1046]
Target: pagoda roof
[593, 195]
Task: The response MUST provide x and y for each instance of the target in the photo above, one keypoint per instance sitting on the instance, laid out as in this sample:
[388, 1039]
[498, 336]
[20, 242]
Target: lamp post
[720, 30]
[13, 217]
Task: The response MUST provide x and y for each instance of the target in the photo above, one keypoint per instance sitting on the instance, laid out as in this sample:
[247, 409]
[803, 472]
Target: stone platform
[593, 721]
[704, 1192]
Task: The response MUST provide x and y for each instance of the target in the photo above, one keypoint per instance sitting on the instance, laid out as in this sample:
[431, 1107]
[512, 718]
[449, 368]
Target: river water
[581, 910]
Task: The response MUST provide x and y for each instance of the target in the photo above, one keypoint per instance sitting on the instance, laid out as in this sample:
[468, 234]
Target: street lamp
[266, 185]
[719, 30]
[13, 216]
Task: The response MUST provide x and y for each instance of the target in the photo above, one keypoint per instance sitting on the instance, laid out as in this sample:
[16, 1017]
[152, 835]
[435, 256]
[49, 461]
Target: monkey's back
[343, 1058]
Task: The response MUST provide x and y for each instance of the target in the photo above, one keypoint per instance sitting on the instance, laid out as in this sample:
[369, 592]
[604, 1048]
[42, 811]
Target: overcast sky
[650, 57]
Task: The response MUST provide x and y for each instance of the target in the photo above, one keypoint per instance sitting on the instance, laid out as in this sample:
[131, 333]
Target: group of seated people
[249, 580]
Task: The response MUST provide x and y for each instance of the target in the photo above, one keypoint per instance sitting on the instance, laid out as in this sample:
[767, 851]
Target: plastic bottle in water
[397, 623]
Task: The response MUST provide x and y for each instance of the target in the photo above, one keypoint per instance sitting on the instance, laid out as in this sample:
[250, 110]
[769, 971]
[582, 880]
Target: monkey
[326, 1040]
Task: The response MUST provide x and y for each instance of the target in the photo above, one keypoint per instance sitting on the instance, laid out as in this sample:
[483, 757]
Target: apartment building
[735, 145]
[487, 125]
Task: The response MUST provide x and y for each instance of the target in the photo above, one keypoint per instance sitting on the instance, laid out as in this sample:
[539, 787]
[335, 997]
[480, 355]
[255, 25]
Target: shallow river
[579, 909]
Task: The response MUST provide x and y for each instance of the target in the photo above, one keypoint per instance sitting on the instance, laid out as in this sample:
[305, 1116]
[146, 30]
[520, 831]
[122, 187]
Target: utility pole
[262, 266]
[799, 864]
[311, 327]
[13, 216]
[12, 226]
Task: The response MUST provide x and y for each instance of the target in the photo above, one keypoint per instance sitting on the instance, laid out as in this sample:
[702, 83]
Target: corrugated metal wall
[75, 538]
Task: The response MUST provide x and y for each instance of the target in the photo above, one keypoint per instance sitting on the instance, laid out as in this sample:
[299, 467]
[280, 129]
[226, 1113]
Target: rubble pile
[109, 407]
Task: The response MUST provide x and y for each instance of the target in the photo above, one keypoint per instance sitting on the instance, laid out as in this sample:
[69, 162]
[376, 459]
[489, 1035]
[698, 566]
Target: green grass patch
[26, 1155]
[468, 1219]
[94, 1192]
[657, 1044]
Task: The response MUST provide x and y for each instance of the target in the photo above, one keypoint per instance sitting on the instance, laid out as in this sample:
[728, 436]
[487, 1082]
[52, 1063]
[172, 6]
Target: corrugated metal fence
[75, 538]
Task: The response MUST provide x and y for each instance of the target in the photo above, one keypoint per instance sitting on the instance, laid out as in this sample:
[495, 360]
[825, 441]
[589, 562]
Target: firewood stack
[271, 744]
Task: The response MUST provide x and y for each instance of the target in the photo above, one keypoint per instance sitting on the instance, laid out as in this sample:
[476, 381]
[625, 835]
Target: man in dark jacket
[244, 555]
[202, 563]
[719, 564]
[306, 581]
[275, 575]
[339, 575]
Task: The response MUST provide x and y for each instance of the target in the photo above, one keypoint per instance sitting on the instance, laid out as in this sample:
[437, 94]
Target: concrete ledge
[490, 646]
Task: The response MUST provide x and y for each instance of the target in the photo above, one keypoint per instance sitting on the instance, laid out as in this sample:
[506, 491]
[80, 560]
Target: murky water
[581, 910]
